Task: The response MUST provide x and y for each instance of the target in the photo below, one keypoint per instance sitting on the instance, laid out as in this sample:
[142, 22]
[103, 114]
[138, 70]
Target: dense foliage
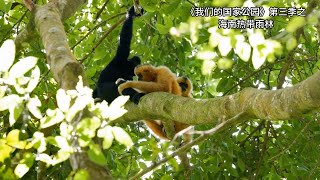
[218, 61]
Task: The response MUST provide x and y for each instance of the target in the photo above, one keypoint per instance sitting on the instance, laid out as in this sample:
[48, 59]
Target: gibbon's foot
[136, 98]
[134, 95]
[132, 12]
[120, 81]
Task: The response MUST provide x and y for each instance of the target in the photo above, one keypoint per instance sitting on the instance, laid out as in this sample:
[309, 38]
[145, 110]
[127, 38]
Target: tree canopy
[254, 66]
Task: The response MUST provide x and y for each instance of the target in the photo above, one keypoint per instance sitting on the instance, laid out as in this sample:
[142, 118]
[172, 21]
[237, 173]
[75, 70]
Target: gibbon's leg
[157, 128]
[146, 87]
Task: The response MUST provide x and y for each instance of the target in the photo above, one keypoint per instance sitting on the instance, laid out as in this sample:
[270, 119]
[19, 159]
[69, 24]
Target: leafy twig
[204, 135]
[102, 38]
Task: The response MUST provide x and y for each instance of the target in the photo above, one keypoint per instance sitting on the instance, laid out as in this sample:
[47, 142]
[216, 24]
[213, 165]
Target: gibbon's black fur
[120, 66]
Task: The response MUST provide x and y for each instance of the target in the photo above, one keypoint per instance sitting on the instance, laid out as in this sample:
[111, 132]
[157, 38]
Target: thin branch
[96, 27]
[204, 135]
[264, 148]
[293, 142]
[251, 134]
[8, 32]
[101, 10]
[281, 78]
[103, 37]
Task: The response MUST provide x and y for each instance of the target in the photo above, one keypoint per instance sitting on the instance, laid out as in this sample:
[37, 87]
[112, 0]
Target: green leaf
[5, 150]
[13, 139]
[170, 6]
[88, 127]
[122, 136]
[162, 29]
[22, 66]
[224, 63]
[15, 112]
[7, 53]
[291, 43]
[95, 154]
[82, 174]
[149, 6]
[241, 165]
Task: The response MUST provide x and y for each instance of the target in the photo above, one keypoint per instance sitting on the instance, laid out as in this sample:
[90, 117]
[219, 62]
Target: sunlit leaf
[122, 136]
[215, 37]
[88, 126]
[291, 43]
[206, 55]
[33, 106]
[22, 66]
[95, 154]
[63, 100]
[21, 170]
[8, 101]
[5, 150]
[65, 129]
[224, 63]
[38, 142]
[79, 105]
[256, 38]
[44, 158]
[7, 54]
[2, 92]
[295, 23]
[51, 119]
[115, 110]
[119, 102]
[243, 50]
[225, 45]
[82, 175]
[60, 157]
[258, 58]
[34, 79]
[207, 67]
[107, 135]
[14, 141]
[24, 165]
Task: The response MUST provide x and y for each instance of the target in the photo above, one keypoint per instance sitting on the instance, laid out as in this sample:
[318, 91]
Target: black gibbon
[120, 66]
[160, 79]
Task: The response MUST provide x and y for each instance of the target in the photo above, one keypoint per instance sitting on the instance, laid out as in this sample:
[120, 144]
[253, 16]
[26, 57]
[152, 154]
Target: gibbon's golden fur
[160, 79]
